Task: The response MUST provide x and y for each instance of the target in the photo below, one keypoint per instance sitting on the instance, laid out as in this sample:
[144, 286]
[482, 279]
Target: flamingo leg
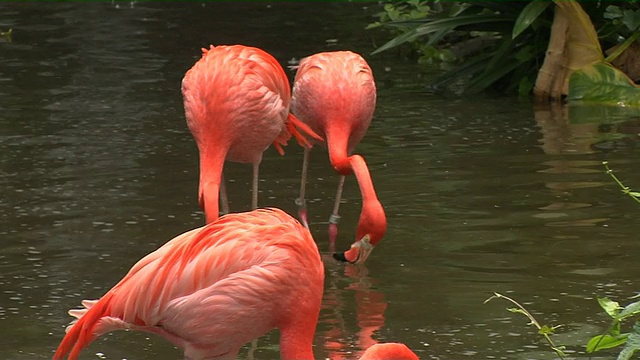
[334, 219]
[302, 204]
[224, 200]
[254, 191]
[252, 349]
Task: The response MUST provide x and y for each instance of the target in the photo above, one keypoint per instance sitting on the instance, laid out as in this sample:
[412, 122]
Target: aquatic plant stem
[625, 189]
[542, 330]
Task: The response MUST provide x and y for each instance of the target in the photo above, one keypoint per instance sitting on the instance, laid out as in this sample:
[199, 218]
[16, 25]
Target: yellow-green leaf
[602, 342]
[609, 306]
[602, 83]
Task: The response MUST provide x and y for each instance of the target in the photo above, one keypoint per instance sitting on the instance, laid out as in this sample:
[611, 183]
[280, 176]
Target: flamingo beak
[358, 253]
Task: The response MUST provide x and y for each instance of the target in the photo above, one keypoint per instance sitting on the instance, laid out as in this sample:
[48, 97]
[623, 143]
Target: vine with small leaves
[625, 189]
[543, 330]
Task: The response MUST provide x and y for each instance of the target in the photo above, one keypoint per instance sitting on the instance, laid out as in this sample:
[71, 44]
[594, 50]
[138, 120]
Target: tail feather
[298, 129]
[294, 126]
[80, 334]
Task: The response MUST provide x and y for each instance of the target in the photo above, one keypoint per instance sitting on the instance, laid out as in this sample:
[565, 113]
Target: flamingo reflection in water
[370, 308]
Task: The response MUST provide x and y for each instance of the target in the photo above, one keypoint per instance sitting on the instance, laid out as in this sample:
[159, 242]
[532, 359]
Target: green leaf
[602, 342]
[373, 25]
[609, 306]
[546, 330]
[602, 83]
[635, 194]
[528, 15]
[517, 311]
[631, 309]
[632, 345]
[631, 19]
[613, 12]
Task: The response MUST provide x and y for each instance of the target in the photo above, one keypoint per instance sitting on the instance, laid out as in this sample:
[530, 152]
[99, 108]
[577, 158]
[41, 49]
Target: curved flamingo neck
[372, 217]
[296, 346]
[296, 335]
[338, 143]
[211, 165]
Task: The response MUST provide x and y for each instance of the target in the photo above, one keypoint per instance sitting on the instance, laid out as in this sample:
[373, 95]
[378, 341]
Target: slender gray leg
[334, 219]
[224, 201]
[254, 191]
[302, 204]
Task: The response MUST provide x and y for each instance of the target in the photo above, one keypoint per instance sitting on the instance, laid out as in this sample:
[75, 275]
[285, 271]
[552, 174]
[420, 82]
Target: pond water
[482, 194]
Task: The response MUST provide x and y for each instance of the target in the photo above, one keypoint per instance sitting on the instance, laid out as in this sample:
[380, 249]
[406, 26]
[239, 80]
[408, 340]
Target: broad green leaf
[602, 342]
[629, 310]
[632, 345]
[612, 12]
[602, 83]
[631, 19]
[528, 15]
[609, 306]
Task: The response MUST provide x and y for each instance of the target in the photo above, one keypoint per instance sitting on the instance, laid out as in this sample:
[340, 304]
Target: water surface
[482, 194]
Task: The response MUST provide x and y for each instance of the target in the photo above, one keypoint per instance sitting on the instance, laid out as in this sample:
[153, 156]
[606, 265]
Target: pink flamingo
[236, 101]
[215, 288]
[335, 94]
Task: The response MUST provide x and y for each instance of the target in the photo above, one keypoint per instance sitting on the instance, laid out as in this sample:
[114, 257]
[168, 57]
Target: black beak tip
[340, 257]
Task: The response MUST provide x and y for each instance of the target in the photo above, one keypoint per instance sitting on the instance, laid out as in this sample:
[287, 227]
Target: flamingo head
[371, 229]
[397, 351]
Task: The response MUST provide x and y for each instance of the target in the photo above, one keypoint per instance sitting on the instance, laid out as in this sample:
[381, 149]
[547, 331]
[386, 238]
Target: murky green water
[98, 169]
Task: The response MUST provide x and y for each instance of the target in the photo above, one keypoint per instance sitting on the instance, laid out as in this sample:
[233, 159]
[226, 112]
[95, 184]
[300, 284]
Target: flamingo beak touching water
[358, 253]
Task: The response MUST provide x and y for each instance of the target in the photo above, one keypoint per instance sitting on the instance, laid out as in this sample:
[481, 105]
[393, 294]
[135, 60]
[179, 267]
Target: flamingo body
[335, 94]
[215, 288]
[236, 101]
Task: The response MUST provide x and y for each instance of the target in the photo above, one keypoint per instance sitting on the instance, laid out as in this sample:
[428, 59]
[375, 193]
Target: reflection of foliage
[544, 330]
[613, 337]
[505, 41]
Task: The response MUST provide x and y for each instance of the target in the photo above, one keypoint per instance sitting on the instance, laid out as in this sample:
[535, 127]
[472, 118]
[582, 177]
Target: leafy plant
[613, 337]
[623, 22]
[544, 330]
[514, 37]
[399, 11]
[497, 58]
